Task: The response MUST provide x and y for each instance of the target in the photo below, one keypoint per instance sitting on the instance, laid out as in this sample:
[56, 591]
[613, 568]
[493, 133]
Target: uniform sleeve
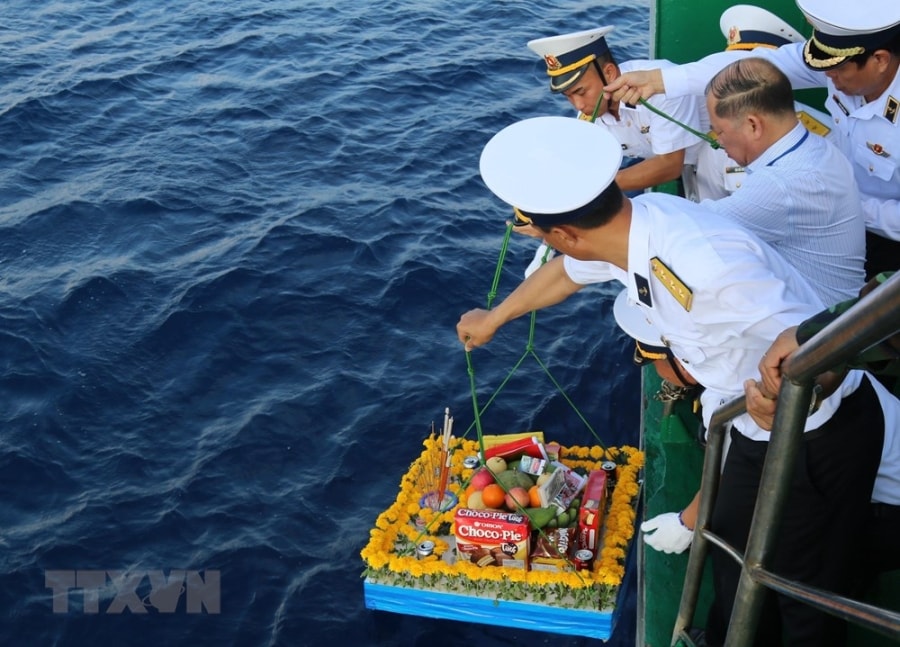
[789, 59]
[587, 272]
[882, 217]
[692, 78]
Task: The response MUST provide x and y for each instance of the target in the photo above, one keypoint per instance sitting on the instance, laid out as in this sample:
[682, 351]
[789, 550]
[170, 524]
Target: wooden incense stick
[445, 459]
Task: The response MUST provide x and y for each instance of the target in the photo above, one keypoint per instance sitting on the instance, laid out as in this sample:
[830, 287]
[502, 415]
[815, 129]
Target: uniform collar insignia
[643, 290]
[878, 149]
[891, 109]
[843, 108]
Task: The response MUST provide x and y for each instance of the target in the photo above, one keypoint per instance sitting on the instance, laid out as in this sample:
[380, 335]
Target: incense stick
[445, 459]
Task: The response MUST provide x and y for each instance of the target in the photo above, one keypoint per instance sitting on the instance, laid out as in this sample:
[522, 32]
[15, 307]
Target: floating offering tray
[454, 557]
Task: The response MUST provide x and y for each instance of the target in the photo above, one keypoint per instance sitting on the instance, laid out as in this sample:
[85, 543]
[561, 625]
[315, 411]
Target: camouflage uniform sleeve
[881, 359]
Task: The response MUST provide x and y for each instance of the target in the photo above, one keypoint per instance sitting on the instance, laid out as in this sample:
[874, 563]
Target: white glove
[667, 533]
[538, 259]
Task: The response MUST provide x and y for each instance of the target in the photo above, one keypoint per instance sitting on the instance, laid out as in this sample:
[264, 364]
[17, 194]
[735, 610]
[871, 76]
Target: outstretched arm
[545, 287]
[690, 78]
[652, 171]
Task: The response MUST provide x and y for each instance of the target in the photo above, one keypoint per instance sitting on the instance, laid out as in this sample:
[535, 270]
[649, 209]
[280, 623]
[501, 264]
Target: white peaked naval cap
[633, 322]
[568, 56]
[747, 26]
[843, 18]
[843, 29]
[551, 169]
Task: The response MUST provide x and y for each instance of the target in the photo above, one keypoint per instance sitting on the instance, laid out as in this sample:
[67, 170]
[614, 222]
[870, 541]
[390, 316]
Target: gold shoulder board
[672, 283]
[812, 124]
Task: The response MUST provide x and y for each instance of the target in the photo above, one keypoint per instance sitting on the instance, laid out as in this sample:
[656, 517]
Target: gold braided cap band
[645, 353]
[814, 49]
[558, 70]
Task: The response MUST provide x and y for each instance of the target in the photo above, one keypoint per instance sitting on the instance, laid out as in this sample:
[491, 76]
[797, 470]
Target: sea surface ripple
[235, 238]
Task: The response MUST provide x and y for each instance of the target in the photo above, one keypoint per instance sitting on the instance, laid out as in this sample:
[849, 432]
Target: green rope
[529, 351]
[597, 107]
[709, 140]
[493, 293]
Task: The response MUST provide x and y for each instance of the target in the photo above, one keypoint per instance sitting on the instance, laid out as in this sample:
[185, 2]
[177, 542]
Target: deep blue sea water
[235, 238]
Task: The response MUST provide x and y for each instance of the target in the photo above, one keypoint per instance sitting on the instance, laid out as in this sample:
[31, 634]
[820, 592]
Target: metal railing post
[874, 318]
[774, 489]
[712, 466]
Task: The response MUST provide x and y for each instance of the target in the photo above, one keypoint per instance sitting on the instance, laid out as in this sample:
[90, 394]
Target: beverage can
[610, 468]
[425, 549]
[582, 559]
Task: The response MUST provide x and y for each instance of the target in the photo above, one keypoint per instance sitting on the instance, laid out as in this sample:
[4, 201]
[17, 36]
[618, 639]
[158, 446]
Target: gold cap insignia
[552, 62]
[734, 36]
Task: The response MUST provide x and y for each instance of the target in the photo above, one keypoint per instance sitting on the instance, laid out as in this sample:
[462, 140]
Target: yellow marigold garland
[390, 556]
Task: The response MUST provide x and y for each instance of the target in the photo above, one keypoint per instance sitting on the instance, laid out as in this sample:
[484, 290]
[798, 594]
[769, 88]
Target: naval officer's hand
[667, 533]
[631, 87]
[475, 328]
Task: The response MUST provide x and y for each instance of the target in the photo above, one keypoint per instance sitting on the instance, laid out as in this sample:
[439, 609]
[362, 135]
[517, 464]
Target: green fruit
[562, 520]
[525, 480]
[507, 480]
[541, 517]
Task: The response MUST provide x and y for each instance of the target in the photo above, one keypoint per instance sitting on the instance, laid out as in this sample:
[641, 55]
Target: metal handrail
[871, 320]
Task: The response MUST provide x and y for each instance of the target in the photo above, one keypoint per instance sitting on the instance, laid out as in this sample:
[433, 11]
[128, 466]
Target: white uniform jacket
[741, 293]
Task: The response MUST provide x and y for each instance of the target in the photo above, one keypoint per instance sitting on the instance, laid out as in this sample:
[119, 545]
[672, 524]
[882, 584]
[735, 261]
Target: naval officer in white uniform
[854, 53]
[657, 150]
[579, 65]
[719, 295]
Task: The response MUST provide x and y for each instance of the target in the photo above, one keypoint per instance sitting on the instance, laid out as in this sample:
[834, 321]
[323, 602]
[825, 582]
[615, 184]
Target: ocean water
[235, 238]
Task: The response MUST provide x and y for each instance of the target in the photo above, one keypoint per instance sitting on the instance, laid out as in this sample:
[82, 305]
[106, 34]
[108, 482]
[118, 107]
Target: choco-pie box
[593, 507]
[492, 538]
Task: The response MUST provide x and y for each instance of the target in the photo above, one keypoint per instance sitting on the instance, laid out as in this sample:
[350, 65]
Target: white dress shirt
[800, 197]
[867, 133]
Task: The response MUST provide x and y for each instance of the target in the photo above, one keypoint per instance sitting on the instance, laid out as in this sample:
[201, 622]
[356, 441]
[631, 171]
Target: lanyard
[792, 148]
